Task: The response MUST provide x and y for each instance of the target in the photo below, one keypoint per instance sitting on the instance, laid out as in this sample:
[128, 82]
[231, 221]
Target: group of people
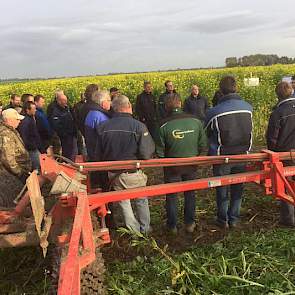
[102, 127]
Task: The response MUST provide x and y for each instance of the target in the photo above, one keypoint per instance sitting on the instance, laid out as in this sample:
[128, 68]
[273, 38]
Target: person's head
[169, 86]
[29, 108]
[147, 86]
[15, 100]
[195, 90]
[39, 101]
[57, 93]
[102, 98]
[114, 92]
[1, 107]
[284, 90]
[121, 104]
[27, 97]
[11, 117]
[62, 100]
[228, 85]
[293, 82]
[172, 101]
[89, 90]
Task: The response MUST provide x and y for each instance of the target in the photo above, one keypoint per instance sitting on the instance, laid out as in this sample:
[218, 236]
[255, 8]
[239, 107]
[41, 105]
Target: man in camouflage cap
[15, 163]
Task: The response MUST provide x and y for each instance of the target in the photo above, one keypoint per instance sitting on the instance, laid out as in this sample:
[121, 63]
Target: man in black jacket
[280, 136]
[63, 123]
[124, 138]
[30, 135]
[146, 109]
[161, 103]
[196, 104]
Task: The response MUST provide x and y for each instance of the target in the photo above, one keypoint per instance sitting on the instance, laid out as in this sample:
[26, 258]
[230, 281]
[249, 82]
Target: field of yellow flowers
[262, 97]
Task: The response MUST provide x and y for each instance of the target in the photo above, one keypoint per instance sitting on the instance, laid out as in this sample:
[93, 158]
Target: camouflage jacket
[13, 156]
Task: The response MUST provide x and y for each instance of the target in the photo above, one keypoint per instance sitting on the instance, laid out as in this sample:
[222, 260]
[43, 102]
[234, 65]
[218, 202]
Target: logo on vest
[178, 134]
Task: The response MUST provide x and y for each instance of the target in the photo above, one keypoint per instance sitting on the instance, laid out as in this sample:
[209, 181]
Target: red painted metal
[266, 169]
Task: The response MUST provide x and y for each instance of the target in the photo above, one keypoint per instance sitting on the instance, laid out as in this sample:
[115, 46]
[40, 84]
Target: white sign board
[251, 82]
[287, 79]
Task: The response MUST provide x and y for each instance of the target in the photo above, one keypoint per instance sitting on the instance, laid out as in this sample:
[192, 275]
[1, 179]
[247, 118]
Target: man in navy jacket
[42, 123]
[29, 133]
[62, 121]
[280, 137]
[229, 127]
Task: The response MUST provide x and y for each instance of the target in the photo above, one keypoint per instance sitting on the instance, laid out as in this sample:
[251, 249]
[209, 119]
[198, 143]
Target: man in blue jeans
[229, 128]
[181, 135]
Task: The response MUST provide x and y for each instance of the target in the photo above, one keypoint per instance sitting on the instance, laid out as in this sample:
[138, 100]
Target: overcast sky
[81, 37]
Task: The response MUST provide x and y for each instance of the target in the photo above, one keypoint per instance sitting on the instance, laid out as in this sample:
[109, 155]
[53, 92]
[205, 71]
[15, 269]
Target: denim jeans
[176, 175]
[228, 198]
[140, 223]
[35, 159]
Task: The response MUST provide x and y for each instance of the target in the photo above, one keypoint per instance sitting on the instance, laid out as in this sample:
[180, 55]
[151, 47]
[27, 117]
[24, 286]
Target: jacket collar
[286, 100]
[122, 115]
[195, 97]
[229, 96]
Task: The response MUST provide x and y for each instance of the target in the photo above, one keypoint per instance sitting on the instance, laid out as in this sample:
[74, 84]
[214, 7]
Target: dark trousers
[286, 209]
[175, 175]
[69, 147]
[228, 198]
[152, 127]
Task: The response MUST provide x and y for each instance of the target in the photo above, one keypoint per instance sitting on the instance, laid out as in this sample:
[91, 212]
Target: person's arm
[98, 145]
[138, 108]
[160, 148]
[206, 103]
[146, 145]
[202, 140]
[25, 129]
[273, 131]
[8, 157]
[186, 106]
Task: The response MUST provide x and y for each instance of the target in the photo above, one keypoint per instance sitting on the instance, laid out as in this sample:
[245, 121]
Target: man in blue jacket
[229, 128]
[42, 123]
[101, 104]
[96, 116]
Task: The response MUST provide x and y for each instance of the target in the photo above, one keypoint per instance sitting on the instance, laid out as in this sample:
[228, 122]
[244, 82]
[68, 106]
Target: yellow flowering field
[261, 97]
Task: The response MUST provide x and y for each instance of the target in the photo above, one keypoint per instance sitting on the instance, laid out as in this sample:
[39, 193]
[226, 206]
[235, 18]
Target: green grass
[260, 263]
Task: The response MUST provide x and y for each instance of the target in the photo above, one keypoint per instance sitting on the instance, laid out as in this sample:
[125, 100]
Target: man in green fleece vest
[181, 136]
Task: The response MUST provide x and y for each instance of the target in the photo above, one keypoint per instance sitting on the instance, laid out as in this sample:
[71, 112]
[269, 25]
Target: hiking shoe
[221, 225]
[172, 231]
[189, 228]
[286, 224]
[234, 226]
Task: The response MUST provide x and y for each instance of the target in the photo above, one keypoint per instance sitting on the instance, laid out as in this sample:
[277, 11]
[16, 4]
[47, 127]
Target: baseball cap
[11, 114]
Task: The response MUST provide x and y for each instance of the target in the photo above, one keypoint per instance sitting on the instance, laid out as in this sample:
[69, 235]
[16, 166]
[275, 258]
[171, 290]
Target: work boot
[172, 231]
[221, 225]
[189, 228]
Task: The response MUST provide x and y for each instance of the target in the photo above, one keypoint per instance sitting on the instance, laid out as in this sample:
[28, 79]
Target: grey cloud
[229, 22]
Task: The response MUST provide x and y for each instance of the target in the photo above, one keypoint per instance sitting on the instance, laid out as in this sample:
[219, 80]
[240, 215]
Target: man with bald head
[196, 104]
[62, 121]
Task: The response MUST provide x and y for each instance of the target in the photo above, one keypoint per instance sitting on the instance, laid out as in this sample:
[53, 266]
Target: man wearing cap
[15, 163]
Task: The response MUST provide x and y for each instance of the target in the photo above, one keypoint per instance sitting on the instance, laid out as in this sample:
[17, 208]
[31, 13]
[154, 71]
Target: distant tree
[231, 62]
[258, 60]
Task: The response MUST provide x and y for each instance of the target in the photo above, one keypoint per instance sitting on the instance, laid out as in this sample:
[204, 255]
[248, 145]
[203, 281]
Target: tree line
[258, 60]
